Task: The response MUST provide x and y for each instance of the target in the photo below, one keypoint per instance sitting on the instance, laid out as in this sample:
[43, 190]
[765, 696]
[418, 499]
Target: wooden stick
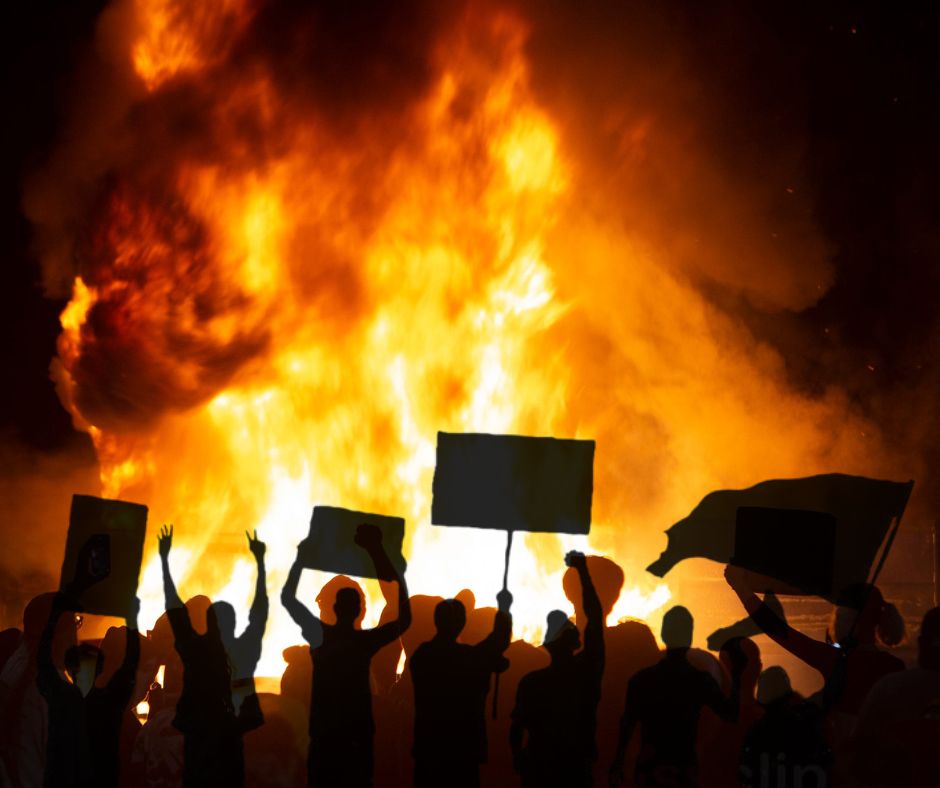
[505, 588]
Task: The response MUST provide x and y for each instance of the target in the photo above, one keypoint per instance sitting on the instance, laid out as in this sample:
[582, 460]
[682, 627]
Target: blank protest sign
[513, 482]
[794, 543]
[331, 545]
[117, 530]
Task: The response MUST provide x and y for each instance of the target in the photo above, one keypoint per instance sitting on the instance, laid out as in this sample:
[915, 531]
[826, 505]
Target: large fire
[298, 306]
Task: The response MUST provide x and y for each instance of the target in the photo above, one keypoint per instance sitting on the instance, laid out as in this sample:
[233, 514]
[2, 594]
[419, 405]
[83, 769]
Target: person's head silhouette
[773, 686]
[84, 664]
[562, 638]
[328, 598]
[347, 607]
[677, 627]
[746, 652]
[608, 582]
[450, 617]
[863, 617]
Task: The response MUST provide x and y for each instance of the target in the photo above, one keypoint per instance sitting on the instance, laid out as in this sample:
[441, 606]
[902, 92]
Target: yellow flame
[424, 321]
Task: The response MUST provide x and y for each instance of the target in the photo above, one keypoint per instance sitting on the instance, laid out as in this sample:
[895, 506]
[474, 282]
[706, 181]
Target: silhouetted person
[341, 724]
[786, 747]
[853, 662]
[212, 744]
[898, 727]
[665, 701]
[629, 646]
[553, 723]
[451, 681]
[720, 741]
[84, 733]
[23, 710]
[244, 651]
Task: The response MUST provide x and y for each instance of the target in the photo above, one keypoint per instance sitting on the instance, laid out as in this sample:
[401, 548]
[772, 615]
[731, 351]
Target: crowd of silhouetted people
[594, 705]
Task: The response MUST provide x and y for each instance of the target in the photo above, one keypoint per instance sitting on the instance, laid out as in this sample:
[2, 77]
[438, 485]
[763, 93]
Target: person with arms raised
[342, 728]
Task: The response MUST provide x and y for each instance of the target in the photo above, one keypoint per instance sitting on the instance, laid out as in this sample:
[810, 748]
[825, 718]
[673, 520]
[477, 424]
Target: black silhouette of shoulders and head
[451, 681]
[665, 701]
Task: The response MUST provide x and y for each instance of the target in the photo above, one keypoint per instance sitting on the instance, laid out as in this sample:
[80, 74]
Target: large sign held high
[109, 536]
[513, 483]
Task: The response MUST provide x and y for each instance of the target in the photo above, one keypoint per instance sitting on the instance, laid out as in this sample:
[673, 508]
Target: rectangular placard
[513, 482]
[114, 531]
[331, 545]
[797, 544]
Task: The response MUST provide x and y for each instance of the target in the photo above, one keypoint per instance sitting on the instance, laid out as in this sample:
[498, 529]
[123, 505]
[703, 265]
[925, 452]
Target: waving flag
[815, 535]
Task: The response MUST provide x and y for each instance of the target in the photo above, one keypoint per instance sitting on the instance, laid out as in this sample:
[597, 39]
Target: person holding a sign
[451, 681]
[852, 663]
[84, 730]
[341, 723]
[554, 720]
[212, 741]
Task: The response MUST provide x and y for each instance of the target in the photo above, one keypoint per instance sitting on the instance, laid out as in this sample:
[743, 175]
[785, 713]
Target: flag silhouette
[816, 535]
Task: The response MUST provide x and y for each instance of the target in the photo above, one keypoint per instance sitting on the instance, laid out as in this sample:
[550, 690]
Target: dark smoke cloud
[148, 343]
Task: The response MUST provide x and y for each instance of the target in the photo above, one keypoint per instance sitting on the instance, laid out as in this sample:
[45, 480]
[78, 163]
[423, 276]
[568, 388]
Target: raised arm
[498, 640]
[125, 676]
[369, 538]
[594, 628]
[310, 626]
[258, 615]
[814, 653]
[47, 676]
[170, 595]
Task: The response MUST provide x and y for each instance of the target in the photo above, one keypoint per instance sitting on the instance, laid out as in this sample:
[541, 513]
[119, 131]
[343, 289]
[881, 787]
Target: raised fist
[576, 559]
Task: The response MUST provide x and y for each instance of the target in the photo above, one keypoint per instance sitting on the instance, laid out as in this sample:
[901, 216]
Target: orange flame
[283, 310]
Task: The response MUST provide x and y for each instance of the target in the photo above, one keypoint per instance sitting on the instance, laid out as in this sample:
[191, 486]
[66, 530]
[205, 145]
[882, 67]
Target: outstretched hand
[576, 559]
[165, 540]
[255, 545]
[504, 601]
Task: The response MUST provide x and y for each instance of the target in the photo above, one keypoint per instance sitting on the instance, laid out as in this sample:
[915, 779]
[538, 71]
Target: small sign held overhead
[331, 545]
[114, 534]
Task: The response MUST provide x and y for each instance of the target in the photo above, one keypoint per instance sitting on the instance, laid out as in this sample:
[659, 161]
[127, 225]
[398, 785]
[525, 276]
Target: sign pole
[509, 534]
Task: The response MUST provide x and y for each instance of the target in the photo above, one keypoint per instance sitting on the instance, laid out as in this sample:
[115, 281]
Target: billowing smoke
[341, 229]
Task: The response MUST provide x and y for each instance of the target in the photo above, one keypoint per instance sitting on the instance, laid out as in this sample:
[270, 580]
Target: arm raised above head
[171, 596]
[310, 626]
[594, 628]
[258, 614]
